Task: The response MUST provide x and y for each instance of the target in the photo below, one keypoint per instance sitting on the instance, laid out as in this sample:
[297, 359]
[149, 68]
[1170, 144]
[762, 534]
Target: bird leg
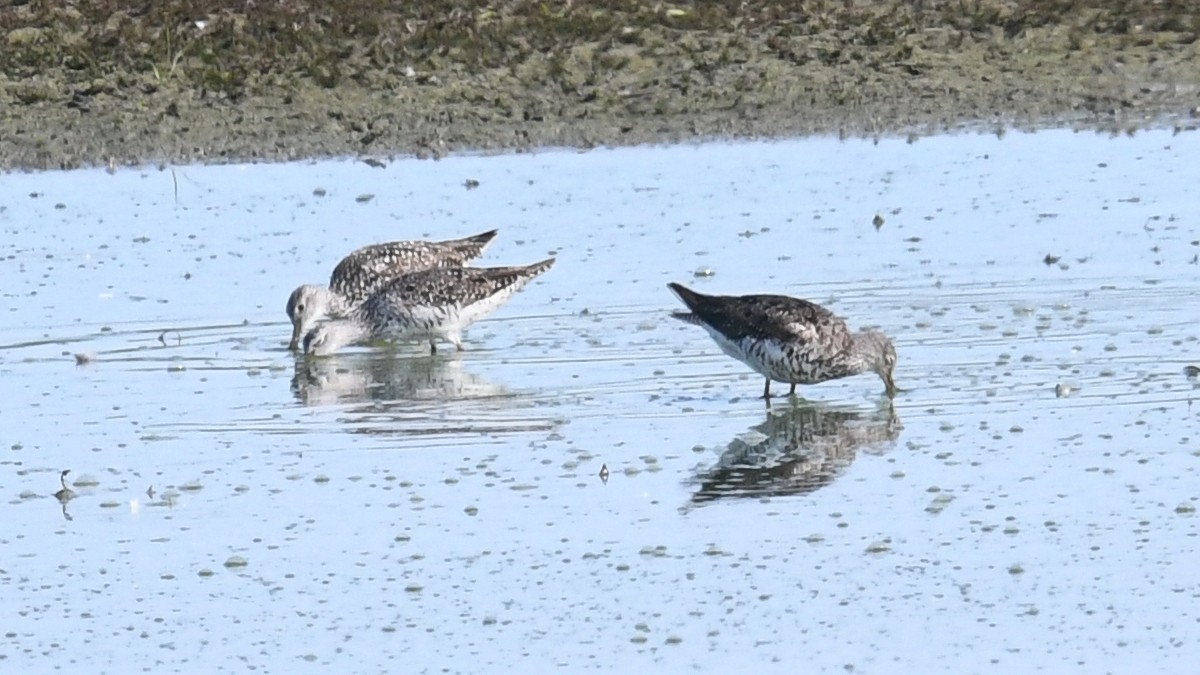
[792, 391]
[767, 389]
[432, 347]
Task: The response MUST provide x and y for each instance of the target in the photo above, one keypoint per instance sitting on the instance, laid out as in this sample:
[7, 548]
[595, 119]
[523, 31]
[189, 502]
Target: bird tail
[692, 299]
[687, 317]
[517, 276]
[531, 271]
[689, 297]
[499, 283]
[473, 246]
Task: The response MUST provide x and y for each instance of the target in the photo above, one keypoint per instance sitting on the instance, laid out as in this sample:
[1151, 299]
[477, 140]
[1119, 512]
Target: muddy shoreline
[178, 84]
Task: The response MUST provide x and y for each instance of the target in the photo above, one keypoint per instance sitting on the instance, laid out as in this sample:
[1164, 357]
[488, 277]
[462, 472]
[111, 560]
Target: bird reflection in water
[386, 375]
[65, 494]
[798, 449]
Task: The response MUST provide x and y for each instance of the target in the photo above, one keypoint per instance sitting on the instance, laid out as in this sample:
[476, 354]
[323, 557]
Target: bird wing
[370, 268]
[777, 317]
[452, 286]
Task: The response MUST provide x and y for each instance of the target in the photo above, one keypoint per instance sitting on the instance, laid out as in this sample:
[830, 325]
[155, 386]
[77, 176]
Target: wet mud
[181, 82]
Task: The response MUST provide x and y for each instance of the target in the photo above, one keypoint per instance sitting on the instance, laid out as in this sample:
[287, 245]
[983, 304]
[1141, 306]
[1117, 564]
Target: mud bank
[190, 81]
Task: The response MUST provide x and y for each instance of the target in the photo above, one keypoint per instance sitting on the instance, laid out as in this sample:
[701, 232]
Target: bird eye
[300, 307]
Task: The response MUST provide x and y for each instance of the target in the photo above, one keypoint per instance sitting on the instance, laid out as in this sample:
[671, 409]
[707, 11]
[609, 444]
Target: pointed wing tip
[685, 294]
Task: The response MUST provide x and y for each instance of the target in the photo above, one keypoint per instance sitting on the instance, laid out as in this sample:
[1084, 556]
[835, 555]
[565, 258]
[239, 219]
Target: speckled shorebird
[788, 339]
[368, 269]
[432, 304]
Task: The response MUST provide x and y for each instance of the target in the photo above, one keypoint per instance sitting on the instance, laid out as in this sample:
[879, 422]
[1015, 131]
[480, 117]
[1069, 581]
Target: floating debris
[702, 272]
[470, 183]
[939, 503]
[1051, 259]
[236, 561]
[877, 221]
[604, 473]
[374, 163]
[1191, 371]
[879, 547]
[83, 358]
[1062, 390]
[364, 198]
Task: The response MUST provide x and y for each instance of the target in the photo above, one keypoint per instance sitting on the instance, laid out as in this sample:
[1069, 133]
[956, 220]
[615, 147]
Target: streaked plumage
[787, 339]
[368, 269]
[436, 303]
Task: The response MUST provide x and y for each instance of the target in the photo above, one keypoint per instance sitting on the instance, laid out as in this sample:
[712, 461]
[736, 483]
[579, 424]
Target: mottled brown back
[370, 268]
[775, 317]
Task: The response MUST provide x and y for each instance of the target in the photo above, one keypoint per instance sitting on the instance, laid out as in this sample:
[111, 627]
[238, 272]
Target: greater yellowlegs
[368, 269]
[787, 339]
[432, 304]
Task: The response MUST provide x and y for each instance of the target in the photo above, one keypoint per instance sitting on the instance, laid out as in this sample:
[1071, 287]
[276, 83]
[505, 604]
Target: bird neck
[336, 305]
[349, 331]
[333, 334]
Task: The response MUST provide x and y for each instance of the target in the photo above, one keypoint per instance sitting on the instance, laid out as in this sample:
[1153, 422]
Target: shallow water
[1028, 504]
